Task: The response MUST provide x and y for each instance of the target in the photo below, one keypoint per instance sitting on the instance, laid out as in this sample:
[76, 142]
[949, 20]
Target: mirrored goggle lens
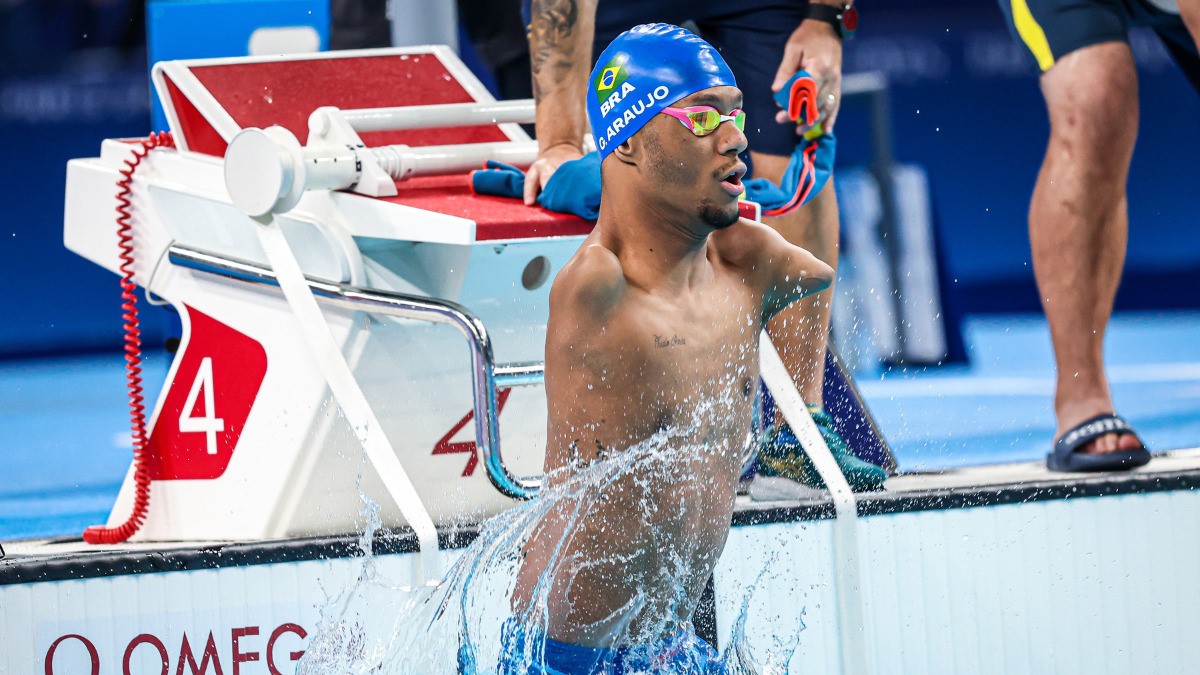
[704, 122]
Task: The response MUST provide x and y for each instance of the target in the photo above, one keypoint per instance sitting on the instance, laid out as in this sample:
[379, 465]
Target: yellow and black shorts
[1051, 29]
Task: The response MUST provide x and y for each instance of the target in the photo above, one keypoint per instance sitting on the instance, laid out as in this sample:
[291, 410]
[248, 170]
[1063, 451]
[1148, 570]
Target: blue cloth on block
[574, 188]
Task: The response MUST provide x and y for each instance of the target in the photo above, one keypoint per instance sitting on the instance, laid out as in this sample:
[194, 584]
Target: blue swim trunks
[684, 654]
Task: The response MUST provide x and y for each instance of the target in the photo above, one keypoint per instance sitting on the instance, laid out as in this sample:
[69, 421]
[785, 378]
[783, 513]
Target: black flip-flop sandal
[1066, 456]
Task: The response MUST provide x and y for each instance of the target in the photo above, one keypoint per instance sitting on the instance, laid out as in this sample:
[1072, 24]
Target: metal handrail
[519, 374]
[440, 115]
[485, 373]
[402, 162]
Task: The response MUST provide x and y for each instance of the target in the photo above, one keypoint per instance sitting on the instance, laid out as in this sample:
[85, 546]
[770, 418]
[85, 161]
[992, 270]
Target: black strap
[827, 14]
[1093, 428]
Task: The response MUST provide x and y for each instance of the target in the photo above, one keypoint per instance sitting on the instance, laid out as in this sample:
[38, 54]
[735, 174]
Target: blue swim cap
[644, 70]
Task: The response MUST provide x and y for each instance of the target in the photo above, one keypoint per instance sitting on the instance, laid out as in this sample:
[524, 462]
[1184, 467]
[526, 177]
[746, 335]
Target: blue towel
[812, 160]
[500, 179]
[807, 173]
[574, 188]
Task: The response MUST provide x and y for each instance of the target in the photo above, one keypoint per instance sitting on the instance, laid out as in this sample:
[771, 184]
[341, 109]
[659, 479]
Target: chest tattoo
[661, 342]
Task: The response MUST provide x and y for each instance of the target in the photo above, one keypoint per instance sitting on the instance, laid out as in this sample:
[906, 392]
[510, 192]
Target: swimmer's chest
[709, 340]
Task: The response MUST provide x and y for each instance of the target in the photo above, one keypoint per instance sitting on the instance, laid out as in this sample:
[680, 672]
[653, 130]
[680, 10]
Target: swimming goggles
[702, 120]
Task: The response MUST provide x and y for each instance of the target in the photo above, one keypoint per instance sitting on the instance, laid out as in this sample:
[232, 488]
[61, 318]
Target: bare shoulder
[592, 282]
[783, 271]
[750, 245]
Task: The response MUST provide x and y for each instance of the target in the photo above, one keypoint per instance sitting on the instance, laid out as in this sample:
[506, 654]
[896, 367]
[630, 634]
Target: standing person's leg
[1189, 11]
[800, 332]
[752, 36]
[1078, 223]
[1080, 197]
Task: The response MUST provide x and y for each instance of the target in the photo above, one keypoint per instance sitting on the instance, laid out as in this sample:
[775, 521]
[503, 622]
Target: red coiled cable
[133, 350]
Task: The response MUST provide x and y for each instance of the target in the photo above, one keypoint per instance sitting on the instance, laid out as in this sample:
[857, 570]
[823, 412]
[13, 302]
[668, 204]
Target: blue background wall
[965, 105]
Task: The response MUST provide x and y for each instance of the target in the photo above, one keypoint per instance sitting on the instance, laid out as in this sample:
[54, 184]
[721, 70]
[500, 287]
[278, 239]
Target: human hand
[544, 166]
[815, 47]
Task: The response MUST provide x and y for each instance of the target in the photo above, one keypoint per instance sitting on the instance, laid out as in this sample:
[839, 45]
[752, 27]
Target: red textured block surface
[495, 217]
[286, 93]
[196, 129]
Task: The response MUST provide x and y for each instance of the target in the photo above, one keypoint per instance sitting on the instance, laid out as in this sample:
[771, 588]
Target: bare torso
[679, 363]
[651, 367]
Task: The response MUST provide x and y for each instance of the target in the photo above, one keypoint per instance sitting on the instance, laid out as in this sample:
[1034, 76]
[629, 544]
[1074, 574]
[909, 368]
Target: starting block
[247, 441]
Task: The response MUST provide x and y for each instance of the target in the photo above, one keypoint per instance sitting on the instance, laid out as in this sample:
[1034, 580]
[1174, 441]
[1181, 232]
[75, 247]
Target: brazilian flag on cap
[644, 70]
[610, 77]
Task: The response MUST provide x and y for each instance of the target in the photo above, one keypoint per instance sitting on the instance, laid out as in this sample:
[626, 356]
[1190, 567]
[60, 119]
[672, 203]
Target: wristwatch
[844, 19]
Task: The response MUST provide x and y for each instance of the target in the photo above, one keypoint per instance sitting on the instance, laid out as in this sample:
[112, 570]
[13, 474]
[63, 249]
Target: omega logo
[188, 660]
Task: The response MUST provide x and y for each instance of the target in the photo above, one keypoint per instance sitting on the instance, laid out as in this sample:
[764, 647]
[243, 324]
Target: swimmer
[653, 323]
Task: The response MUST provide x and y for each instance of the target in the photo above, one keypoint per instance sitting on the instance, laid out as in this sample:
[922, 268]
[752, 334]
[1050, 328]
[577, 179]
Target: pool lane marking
[969, 385]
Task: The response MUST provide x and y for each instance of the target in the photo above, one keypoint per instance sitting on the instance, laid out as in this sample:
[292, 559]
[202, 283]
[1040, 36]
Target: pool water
[66, 444]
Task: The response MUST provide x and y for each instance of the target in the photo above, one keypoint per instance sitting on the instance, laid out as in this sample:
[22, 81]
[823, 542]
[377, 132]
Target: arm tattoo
[552, 41]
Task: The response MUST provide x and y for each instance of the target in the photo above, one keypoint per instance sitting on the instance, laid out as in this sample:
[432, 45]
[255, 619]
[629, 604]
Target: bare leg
[1190, 11]
[800, 332]
[1078, 222]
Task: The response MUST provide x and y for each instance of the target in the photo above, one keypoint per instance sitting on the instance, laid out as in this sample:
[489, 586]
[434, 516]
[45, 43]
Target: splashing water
[377, 626]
